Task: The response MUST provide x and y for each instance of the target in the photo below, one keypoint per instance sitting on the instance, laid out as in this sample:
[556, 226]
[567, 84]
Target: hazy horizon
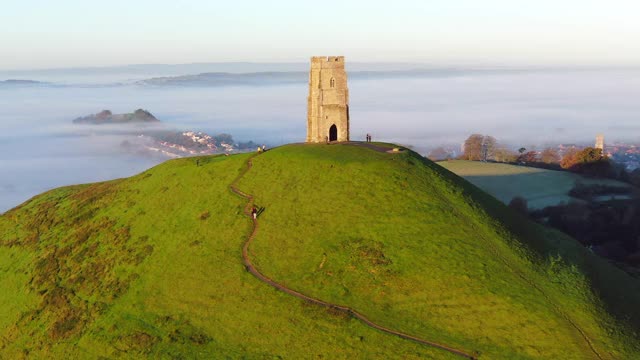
[41, 149]
[242, 66]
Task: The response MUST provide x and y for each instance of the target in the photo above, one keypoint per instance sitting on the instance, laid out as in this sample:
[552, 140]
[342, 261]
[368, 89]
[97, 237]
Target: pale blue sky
[66, 33]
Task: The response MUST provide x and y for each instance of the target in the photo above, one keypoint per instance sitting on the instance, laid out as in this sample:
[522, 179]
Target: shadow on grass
[538, 188]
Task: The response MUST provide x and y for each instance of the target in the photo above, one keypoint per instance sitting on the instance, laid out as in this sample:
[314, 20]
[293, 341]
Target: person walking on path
[254, 213]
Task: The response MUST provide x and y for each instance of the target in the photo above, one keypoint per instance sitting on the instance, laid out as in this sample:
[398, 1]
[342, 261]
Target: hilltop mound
[151, 266]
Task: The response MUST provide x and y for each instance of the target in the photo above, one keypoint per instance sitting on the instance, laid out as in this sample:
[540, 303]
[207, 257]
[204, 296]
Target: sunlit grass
[133, 267]
[191, 297]
[409, 246]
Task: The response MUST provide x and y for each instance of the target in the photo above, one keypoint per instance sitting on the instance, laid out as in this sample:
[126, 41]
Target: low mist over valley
[346, 180]
[412, 104]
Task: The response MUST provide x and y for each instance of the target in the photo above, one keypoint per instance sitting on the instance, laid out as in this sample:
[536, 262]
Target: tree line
[588, 161]
[610, 228]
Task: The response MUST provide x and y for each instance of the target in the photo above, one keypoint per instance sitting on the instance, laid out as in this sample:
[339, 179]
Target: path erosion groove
[249, 266]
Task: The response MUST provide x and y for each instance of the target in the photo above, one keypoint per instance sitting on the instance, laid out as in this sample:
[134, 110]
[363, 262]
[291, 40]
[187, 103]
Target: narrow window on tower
[332, 82]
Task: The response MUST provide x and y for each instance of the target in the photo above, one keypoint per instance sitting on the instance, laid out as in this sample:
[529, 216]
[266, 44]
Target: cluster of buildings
[626, 154]
[201, 138]
[188, 143]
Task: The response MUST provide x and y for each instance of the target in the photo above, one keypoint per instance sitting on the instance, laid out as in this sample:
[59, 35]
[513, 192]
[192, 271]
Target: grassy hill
[151, 266]
[540, 187]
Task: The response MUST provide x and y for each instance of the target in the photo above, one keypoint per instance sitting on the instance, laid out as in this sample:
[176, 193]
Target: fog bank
[41, 149]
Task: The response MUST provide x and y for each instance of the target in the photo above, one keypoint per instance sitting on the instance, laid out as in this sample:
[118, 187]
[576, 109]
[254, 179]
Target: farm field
[540, 187]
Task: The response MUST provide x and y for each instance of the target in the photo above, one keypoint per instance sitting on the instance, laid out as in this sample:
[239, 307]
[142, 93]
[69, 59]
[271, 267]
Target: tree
[634, 177]
[488, 148]
[591, 162]
[502, 154]
[569, 158]
[528, 157]
[519, 204]
[576, 158]
[589, 155]
[473, 147]
[549, 156]
[479, 147]
[439, 153]
[587, 161]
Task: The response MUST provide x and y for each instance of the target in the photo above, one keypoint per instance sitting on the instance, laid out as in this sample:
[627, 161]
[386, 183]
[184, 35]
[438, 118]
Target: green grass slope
[540, 187]
[151, 266]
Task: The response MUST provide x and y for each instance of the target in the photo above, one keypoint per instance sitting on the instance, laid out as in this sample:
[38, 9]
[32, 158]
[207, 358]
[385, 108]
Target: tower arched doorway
[333, 133]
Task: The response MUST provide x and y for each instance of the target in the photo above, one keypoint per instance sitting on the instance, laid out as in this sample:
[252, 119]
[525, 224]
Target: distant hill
[247, 73]
[161, 141]
[197, 68]
[17, 82]
[301, 77]
[107, 117]
[151, 267]
[225, 79]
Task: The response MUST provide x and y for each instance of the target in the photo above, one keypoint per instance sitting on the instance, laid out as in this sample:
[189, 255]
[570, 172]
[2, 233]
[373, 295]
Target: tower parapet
[328, 101]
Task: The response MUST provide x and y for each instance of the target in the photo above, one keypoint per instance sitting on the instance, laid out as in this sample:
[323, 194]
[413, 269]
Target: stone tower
[328, 101]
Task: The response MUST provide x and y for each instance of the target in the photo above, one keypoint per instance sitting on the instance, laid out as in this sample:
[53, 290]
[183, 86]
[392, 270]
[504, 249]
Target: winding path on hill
[249, 266]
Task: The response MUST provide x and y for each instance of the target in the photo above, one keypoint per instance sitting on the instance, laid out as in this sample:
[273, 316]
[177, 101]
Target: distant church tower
[600, 142]
[328, 101]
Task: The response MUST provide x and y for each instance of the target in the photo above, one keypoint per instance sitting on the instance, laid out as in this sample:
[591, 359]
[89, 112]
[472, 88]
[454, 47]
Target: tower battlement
[327, 62]
[328, 101]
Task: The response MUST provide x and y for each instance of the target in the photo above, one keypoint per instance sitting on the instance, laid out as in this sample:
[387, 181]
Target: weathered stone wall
[328, 101]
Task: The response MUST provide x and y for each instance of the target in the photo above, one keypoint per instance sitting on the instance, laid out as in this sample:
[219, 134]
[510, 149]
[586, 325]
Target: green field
[150, 266]
[540, 187]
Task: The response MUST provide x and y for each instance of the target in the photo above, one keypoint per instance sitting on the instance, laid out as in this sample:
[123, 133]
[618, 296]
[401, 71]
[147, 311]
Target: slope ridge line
[344, 309]
[533, 285]
[555, 306]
